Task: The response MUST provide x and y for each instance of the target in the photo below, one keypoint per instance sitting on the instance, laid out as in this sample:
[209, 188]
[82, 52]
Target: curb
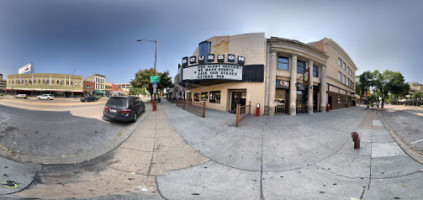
[407, 148]
[77, 158]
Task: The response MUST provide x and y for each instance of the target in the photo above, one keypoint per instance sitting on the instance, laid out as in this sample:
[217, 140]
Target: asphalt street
[408, 124]
[54, 131]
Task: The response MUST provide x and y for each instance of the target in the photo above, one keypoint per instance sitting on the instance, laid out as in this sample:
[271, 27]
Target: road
[54, 130]
[407, 121]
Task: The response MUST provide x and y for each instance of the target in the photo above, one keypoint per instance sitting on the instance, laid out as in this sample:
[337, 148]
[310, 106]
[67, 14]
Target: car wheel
[135, 117]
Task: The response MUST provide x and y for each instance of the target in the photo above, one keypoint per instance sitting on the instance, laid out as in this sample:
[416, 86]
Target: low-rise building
[99, 81]
[108, 88]
[45, 83]
[89, 88]
[279, 75]
[124, 87]
[3, 83]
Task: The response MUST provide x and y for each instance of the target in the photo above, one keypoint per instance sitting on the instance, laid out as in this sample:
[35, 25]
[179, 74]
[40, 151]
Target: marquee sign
[231, 58]
[213, 71]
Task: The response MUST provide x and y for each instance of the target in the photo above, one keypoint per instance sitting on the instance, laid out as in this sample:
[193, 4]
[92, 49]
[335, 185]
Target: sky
[98, 36]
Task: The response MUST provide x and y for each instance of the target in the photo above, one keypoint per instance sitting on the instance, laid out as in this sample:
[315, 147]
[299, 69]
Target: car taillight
[106, 108]
[125, 111]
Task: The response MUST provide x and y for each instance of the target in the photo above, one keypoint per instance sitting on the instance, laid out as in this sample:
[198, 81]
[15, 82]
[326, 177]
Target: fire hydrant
[356, 140]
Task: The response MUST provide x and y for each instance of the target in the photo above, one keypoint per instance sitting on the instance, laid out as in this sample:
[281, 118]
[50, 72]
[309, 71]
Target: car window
[118, 101]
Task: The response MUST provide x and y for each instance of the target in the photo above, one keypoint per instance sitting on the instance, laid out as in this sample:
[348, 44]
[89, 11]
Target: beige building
[124, 87]
[38, 83]
[99, 80]
[281, 75]
[2, 82]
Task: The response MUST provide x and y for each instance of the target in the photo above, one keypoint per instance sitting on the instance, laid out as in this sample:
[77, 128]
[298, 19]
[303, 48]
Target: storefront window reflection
[214, 97]
[196, 96]
[204, 96]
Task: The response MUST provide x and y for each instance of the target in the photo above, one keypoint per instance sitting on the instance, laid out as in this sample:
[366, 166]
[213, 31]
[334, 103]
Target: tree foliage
[142, 80]
[385, 83]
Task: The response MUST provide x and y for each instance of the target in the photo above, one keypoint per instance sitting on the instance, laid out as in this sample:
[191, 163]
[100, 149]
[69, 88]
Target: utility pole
[155, 53]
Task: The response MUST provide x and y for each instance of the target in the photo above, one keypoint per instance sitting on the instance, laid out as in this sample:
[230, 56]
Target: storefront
[280, 76]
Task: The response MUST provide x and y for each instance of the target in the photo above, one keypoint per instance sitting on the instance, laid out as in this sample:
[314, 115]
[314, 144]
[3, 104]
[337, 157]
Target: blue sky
[98, 36]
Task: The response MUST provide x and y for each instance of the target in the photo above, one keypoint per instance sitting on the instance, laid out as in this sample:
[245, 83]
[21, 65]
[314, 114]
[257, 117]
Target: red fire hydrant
[258, 110]
[328, 108]
[154, 105]
[356, 140]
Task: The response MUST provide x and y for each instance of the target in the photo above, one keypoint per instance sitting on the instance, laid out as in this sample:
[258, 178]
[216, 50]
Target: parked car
[89, 99]
[45, 97]
[22, 96]
[124, 109]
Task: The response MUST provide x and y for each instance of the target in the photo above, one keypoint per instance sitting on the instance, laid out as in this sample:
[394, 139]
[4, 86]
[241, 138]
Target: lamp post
[155, 52]
[72, 84]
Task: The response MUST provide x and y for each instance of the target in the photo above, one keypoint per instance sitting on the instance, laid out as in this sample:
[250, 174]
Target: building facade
[89, 88]
[277, 74]
[99, 81]
[108, 88]
[124, 87]
[40, 83]
[3, 82]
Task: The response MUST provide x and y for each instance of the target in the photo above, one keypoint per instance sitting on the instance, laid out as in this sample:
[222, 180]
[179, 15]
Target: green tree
[417, 96]
[137, 91]
[142, 80]
[364, 83]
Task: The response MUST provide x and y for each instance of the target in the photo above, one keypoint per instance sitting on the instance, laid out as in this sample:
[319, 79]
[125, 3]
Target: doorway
[238, 97]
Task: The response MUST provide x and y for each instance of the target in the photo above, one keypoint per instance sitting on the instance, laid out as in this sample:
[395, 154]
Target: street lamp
[72, 84]
[155, 53]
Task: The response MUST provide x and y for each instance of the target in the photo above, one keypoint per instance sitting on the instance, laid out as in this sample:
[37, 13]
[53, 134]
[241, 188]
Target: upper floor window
[343, 65]
[283, 63]
[348, 82]
[343, 79]
[339, 76]
[315, 71]
[339, 62]
[301, 65]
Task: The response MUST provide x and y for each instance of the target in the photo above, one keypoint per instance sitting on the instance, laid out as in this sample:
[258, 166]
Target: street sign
[154, 79]
[154, 88]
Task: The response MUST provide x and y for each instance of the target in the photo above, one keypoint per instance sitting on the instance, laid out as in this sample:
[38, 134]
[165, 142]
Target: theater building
[45, 83]
[277, 74]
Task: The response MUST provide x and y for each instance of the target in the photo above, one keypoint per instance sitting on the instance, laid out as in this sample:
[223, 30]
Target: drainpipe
[266, 94]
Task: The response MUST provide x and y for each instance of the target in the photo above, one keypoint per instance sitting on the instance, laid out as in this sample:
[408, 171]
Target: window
[214, 97]
[204, 96]
[348, 82]
[315, 71]
[343, 65]
[283, 63]
[339, 62]
[339, 77]
[348, 70]
[343, 79]
[300, 66]
[196, 96]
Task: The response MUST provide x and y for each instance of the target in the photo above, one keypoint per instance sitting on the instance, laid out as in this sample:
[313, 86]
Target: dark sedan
[89, 99]
[124, 109]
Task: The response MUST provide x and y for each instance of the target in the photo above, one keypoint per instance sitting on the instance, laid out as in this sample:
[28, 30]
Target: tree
[364, 83]
[417, 96]
[142, 80]
[137, 91]
[384, 83]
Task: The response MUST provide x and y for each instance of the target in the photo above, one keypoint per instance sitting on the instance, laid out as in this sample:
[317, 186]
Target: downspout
[266, 94]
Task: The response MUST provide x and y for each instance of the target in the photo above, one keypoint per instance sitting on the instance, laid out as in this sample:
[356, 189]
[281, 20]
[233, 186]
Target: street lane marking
[417, 141]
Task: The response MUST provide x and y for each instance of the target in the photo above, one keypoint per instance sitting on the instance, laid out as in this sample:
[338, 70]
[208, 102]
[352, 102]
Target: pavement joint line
[154, 146]
[407, 148]
[261, 167]
[158, 188]
[371, 154]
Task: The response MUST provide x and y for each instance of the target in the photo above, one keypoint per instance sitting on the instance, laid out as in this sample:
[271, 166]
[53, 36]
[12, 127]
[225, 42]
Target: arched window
[26, 82]
[44, 81]
[47, 82]
[30, 82]
[71, 82]
[52, 81]
[61, 83]
[57, 82]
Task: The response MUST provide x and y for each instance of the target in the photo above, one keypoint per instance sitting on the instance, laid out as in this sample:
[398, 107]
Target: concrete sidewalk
[129, 172]
[285, 157]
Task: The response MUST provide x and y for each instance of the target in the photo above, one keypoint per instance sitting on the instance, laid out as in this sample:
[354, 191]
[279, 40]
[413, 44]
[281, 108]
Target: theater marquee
[214, 71]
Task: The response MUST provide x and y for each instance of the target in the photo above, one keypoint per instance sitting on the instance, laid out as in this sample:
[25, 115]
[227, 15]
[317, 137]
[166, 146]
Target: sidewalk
[285, 157]
[152, 150]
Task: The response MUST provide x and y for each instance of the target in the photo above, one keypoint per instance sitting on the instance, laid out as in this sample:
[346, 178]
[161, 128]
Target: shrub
[404, 104]
[421, 106]
[372, 105]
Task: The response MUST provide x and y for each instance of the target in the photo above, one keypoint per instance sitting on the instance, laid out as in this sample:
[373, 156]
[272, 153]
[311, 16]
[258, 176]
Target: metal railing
[242, 112]
[193, 107]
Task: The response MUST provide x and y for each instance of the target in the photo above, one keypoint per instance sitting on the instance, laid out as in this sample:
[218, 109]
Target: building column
[323, 86]
[272, 82]
[293, 87]
[310, 88]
